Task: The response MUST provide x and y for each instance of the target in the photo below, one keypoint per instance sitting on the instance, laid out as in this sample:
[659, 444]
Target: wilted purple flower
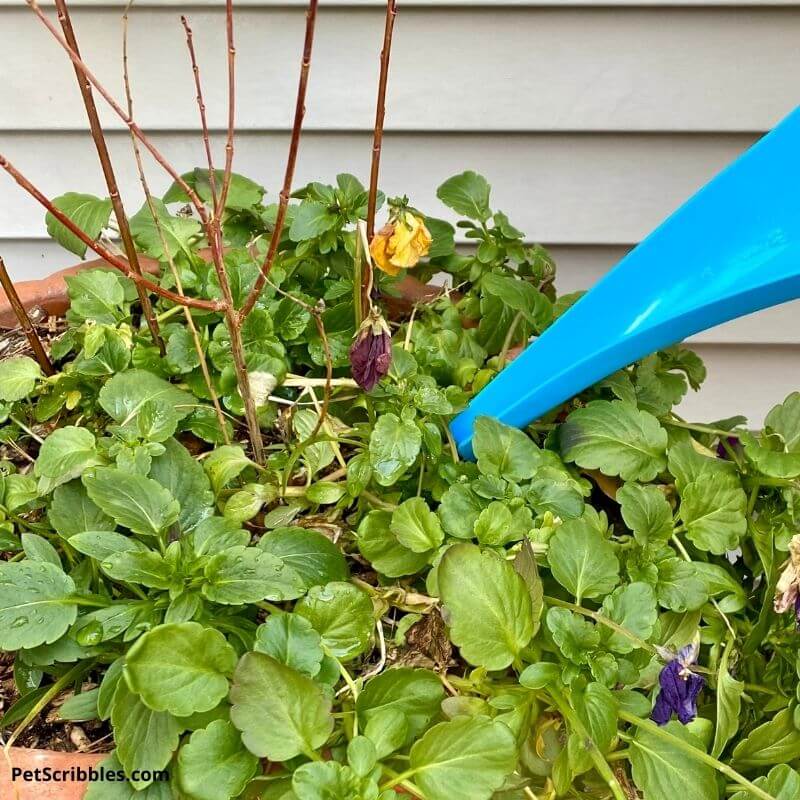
[721, 451]
[679, 688]
[371, 352]
[787, 590]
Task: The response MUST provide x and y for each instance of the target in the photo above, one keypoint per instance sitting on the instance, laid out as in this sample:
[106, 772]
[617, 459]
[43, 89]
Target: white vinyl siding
[592, 120]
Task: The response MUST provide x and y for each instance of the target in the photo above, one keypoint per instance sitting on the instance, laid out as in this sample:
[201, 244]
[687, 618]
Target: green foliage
[371, 614]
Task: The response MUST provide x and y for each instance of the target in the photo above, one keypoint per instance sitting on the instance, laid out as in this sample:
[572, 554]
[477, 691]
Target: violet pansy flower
[679, 688]
[371, 352]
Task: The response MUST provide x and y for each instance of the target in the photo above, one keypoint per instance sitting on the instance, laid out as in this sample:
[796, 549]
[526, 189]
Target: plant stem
[219, 208]
[25, 321]
[25, 428]
[110, 178]
[689, 426]
[501, 359]
[380, 114]
[600, 764]
[291, 161]
[698, 755]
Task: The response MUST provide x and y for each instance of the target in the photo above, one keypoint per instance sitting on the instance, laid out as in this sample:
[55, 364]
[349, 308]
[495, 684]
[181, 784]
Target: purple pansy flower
[679, 688]
[371, 352]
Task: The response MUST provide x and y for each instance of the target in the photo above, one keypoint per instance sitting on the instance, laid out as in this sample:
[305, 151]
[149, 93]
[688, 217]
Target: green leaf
[64, 455]
[729, 703]
[34, 604]
[782, 782]
[776, 741]
[467, 194]
[123, 397]
[597, 709]
[488, 603]
[18, 378]
[215, 534]
[37, 548]
[326, 781]
[663, 771]
[468, 758]
[133, 501]
[311, 219]
[224, 464]
[145, 567]
[163, 237]
[616, 438]
[101, 545]
[87, 212]
[185, 480]
[243, 193]
[679, 587]
[416, 694]
[713, 510]
[634, 608]
[342, 615]
[112, 789]
[80, 707]
[145, 739]
[416, 527]
[582, 560]
[71, 511]
[520, 296]
[539, 675]
[575, 636]
[380, 547]
[646, 512]
[242, 575]
[181, 668]
[280, 713]
[393, 447]
[214, 764]
[314, 558]
[504, 451]
[97, 295]
[292, 640]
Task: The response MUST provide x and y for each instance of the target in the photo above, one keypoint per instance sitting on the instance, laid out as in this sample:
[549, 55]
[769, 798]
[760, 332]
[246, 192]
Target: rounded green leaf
[214, 764]
[416, 526]
[489, 606]
[280, 713]
[64, 455]
[582, 560]
[181, 668]
[616, 438]
[342, 615]
[313, 557]
[468, 758]
[18, 377]
[243, 574]
[34, 604]
[292, 640]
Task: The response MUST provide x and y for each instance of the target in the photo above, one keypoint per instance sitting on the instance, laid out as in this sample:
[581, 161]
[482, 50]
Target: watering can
[731, 249]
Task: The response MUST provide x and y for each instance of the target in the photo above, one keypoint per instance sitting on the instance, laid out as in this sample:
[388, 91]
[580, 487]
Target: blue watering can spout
[731, 249]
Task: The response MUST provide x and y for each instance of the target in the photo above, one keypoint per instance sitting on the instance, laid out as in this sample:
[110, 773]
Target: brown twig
[110, 178]
[25, 321]
[198, 345]
[105, 254]
[226, 180]
[380, 114]
[119, 111]
[283, 202]
[212, 178]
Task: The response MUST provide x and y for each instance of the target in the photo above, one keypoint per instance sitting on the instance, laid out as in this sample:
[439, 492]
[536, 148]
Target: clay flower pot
[61, 766]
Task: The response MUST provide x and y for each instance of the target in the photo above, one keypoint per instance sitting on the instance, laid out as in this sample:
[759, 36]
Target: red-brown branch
[110, 178]
[212, 178]
[226, 180]
[25, 321]
[119, 111]
[380, 114]
[106, 255]
[286, 191]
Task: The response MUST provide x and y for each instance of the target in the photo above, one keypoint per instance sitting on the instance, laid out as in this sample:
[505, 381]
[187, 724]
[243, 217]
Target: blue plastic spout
[731, 249]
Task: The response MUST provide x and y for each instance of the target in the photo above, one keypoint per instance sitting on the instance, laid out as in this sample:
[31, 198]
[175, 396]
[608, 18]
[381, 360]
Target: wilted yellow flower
[400, 244]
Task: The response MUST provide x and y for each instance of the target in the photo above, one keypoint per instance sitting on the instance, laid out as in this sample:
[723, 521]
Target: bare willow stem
[104, 253]
[25, 321]
[110, 178]
[283, 202]
[226, 180]
[120, 112]
[380, 114]
[198, 345]
[212, 178]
